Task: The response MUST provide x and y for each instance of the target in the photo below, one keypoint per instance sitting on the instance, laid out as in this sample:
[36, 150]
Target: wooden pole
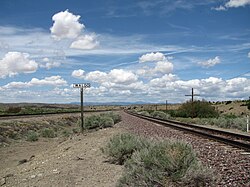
[82, 118]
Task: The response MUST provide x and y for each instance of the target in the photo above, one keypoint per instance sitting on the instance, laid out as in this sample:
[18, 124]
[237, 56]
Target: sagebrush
[153, 163]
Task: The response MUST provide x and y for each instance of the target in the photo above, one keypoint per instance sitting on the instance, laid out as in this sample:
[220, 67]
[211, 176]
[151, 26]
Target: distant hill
[109, 103]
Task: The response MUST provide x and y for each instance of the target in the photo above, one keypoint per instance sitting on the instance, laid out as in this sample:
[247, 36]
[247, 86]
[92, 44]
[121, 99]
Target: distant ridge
[111, 103]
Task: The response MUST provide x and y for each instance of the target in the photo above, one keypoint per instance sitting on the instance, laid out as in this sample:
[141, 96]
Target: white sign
[81, 85]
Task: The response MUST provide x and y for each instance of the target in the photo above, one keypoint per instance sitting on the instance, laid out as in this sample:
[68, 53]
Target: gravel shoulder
[76, 161]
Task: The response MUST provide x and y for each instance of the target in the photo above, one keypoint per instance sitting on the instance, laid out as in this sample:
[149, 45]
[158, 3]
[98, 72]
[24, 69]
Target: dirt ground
[75, 161]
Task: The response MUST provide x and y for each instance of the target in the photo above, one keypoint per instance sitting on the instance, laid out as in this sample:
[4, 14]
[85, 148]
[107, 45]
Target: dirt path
[77, 161]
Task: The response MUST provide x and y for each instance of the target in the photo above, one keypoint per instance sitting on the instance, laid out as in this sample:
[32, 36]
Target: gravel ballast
[231, 166]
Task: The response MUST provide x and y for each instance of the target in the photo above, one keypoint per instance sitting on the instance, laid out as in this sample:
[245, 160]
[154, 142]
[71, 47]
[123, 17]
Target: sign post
[82, 86]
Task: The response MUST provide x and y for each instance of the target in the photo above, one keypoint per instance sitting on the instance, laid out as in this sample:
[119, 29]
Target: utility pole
[192, 101]
[192, 95]
[82, 86]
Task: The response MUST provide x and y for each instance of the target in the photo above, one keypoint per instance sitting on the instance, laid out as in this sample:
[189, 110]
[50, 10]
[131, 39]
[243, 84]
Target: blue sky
[128, 50]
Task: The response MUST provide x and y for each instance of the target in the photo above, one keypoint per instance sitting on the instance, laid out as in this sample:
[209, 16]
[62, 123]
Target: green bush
[122, 146]
[159, 164]
[106, 122]
[75, 130]
[165, 164]
[66, 133]
[92, 122]
[200, 109]
[145, 113]
[160, 114]
[248, 104]
[48, 133]
[116, 117]
[238, 123]
[14, 110]
[32, 136]
[102, 121]
[151, 163]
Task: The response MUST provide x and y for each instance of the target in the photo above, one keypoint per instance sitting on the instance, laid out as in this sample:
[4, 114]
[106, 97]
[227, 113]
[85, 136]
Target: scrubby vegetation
[32, 136]
[200, 109]
[48, 133]
[101, 121]
[152, 163]
[238, 123]
[248, 104]
[160, 114]
[31, 130]
[203, 113]
[35, 109]
[122, 146]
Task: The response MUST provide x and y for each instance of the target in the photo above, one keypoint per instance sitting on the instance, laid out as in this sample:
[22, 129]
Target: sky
[128, 50]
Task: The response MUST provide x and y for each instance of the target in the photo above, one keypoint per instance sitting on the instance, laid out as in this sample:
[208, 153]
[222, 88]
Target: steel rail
[234, 139]
[10, 116]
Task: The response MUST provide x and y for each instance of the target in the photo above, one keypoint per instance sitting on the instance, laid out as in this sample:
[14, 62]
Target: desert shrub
[66, 133]
[102, 121]
[145, 113]
[14, 109]
[160, 114]
[164, 164]
[248, 103]
[48, 133]
[32, 136]
[122, 146]
[228, 102]
[116, 117]
[75, 130]
[199, 175]
[106, 121]
[238, 123]
[13, 134]
[92, 122]
[201, 109]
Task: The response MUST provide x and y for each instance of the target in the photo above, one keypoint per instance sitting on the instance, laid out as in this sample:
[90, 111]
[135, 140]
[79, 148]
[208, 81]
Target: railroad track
[17, 116]
[241, 141]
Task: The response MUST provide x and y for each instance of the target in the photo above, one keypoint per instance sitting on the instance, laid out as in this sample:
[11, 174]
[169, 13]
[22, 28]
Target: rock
[3, 181]
[55, 171]
[33, 176]
[40, 175]
[22, 161]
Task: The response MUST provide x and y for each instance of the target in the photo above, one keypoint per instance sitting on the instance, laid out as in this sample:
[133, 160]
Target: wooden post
[82, 118]
[192, 100]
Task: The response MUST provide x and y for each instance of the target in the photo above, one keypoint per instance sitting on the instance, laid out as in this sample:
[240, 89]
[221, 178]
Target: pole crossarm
[192, 95]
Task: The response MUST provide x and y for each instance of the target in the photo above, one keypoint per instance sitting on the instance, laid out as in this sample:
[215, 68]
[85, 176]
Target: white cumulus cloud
[152, 57]
[163, 67]
[14, 63]
[66, 25]
[210, 62]
[97, 76]
[115, 76]
[78, 73]
[122, 76]
[48, 64]
[237, 3]
[248, 55]
[85, 42]
[47, 81]
[233, 4]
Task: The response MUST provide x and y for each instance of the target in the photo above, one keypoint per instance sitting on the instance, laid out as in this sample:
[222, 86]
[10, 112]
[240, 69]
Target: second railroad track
[238, 140]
